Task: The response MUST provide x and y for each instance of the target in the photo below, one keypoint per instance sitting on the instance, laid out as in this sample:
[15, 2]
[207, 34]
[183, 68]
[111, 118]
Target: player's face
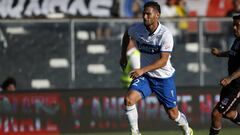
[236, 27]
[11, 87]
[150, 16]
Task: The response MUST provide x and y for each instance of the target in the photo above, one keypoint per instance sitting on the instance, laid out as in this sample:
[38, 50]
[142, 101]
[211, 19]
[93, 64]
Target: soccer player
[230, 93]
[156, 73]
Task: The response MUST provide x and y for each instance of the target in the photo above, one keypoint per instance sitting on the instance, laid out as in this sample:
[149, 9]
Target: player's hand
[136, 73]
[215, 51]
[225, 81]
[123, 62]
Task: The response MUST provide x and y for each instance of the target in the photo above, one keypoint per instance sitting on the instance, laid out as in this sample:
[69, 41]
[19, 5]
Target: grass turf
[228, 131]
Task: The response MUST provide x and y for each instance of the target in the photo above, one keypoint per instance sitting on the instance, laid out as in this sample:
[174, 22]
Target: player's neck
[152, 28]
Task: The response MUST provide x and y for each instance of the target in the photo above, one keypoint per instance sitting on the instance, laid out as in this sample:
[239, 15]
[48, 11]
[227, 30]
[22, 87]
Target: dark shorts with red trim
[229, 98]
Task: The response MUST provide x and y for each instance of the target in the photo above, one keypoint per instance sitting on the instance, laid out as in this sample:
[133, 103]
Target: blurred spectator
[169, 10]
[132, 8]
[104, 29]
[236, 8]
[115, 8]
[182, 11]
[9, 85]
[137, 8]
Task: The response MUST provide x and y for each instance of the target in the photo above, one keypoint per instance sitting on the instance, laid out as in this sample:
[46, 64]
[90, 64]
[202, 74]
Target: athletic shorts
[229, 98]
[164, 89]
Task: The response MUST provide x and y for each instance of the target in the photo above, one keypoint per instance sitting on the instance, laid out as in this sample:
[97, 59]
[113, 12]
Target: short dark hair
[8, 81]
[153, 4]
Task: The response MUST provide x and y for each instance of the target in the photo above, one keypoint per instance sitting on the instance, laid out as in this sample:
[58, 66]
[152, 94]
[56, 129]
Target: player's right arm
[226, 80]
[123, 59]
[218, 53]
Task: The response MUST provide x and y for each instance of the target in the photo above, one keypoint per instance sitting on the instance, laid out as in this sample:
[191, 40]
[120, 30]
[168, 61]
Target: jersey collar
[156, 31]
[158, 28]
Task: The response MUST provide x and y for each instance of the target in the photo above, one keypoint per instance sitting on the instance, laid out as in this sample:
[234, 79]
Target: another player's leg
[216, 122]
[180, 119]
[226, 108]
[217, 116]
[219, 112]
[131, 111]
[234, 116]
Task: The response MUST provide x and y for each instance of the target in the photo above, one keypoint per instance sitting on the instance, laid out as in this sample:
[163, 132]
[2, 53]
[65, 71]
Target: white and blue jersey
[151, 46]
[159, 81]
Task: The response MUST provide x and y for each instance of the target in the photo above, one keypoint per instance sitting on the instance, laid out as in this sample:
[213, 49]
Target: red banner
[94, 110]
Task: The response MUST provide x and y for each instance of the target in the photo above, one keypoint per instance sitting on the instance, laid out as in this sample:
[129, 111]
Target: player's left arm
[225, 81]
[161, 62]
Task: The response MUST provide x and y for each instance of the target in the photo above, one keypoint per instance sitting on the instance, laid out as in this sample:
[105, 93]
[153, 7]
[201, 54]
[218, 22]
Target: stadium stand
[38, 53]
[28, 54]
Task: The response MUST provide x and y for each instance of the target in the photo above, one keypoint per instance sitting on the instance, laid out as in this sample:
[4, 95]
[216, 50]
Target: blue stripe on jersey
[147, 48]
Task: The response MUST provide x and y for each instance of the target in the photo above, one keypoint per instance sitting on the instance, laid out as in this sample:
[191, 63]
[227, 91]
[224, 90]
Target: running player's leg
[180, 119]
[229, 99]
[234, 116]
[216, 121]
[138, 89]
[226, 108]
[166, 93]
[131, 99]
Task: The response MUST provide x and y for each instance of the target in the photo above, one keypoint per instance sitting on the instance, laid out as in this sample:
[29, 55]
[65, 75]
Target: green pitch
[229, 131]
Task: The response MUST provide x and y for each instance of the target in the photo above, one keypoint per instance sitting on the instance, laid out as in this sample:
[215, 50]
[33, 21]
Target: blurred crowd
[176, 8]
[170, 8]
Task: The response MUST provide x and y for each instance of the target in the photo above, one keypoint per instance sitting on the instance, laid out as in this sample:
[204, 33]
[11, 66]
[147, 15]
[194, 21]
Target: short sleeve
[132, 29]
[167, 45]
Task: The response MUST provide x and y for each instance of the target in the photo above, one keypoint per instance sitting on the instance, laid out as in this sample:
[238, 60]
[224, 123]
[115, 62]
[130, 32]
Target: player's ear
[157, 15]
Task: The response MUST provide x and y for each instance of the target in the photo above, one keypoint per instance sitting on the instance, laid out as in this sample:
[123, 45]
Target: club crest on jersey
[225, 101]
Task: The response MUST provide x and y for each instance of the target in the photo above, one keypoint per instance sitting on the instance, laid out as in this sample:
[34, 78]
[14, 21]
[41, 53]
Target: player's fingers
[135, 75]
[132, 76]
[132, 72]
[221, 83]
[224, 82]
